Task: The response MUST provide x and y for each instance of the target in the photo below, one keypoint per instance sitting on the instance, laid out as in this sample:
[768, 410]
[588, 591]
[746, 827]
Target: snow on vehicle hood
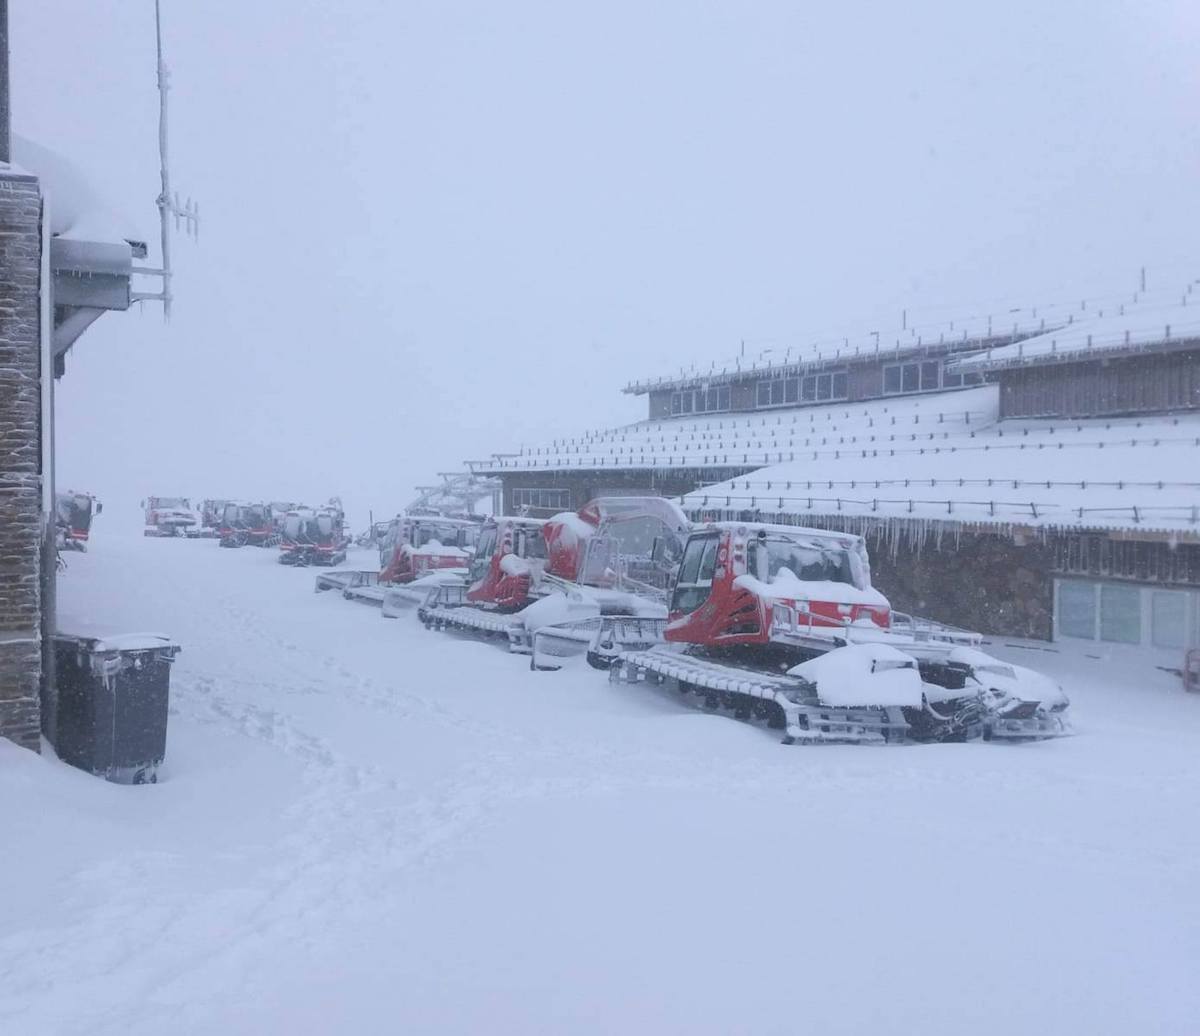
[787, 586]
[175, 514]
[556, 609]
[571, 522]
[440, 577]
[435, 549]
[863, 674]
[511, 565]
[1012, 680]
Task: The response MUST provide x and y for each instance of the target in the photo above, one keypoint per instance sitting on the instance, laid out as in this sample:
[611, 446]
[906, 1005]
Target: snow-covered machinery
[73, 514]
[247, 525]
[420, 552]
[510, 556]
[553, 588]
[416, 553]
[313, 537]
[170, 516]
[210, 517]
[373, 535]
[781, 623]
[415, 546]
[613, 562]
[280, 509]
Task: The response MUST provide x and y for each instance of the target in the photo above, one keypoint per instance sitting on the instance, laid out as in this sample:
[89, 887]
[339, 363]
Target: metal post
[5, 113]
[164, 199]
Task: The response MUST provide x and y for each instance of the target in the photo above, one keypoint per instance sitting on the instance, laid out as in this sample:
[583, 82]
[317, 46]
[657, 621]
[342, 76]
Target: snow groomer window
[696, 573]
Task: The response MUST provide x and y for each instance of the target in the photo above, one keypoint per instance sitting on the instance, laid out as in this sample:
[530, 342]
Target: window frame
[542, 498]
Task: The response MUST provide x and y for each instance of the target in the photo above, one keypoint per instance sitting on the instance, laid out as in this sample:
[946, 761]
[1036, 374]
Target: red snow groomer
[612, 565]
[509, 558]
[313, 537]
[781, 623]
[416, 554]
[73, 517]
[247, 525]
[551, 587]
[416, 546]
[211, 512]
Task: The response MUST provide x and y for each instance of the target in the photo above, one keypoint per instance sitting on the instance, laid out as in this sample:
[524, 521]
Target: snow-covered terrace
[943, 457]
[759, 438]
[1133, 474]
[997, 327]
[1162, 322]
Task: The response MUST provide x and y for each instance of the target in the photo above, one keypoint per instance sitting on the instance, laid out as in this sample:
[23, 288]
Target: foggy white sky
[436, 230]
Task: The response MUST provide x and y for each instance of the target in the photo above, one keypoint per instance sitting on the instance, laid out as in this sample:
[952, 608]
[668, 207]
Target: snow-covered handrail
[1033, 509]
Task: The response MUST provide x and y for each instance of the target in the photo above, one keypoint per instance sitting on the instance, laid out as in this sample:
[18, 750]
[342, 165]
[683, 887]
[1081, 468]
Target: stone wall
[20, 459]
[981, 582]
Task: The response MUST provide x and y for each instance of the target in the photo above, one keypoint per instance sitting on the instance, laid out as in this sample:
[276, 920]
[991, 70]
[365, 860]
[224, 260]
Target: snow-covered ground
[365, 827]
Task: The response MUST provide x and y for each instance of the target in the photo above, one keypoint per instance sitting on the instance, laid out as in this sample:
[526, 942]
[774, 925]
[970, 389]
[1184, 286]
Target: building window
[1123, 613]
[701, 401]
[542, 499]
[1077, 610]
[1168, 619]
[812, 388]
[1120, 614]
[924, 376]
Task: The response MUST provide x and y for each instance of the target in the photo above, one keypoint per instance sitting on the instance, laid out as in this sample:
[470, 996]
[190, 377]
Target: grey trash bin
[110, 711]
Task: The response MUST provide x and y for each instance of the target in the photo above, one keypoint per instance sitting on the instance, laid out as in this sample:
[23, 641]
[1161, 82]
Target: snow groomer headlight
[782, 617]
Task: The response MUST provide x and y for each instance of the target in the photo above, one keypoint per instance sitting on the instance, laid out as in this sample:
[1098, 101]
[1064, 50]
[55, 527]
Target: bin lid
[96, 637]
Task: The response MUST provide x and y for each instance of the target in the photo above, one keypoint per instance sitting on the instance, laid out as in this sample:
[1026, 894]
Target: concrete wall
[20, 459]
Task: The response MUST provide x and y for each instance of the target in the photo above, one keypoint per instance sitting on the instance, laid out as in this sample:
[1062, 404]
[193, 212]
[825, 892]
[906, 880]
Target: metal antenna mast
[169, 206]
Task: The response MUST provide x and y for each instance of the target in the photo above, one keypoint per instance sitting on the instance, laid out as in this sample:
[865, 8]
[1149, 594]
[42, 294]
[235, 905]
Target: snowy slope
[365, 827]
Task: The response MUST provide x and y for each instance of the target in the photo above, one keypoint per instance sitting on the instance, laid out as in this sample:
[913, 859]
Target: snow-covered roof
[1163, 320]
[1126, 473]
[995, 326]
[77, 211]
[758, 438]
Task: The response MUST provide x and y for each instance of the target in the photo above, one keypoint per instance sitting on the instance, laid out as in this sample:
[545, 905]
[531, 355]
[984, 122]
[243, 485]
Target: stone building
[23, 474]
[55, 280]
